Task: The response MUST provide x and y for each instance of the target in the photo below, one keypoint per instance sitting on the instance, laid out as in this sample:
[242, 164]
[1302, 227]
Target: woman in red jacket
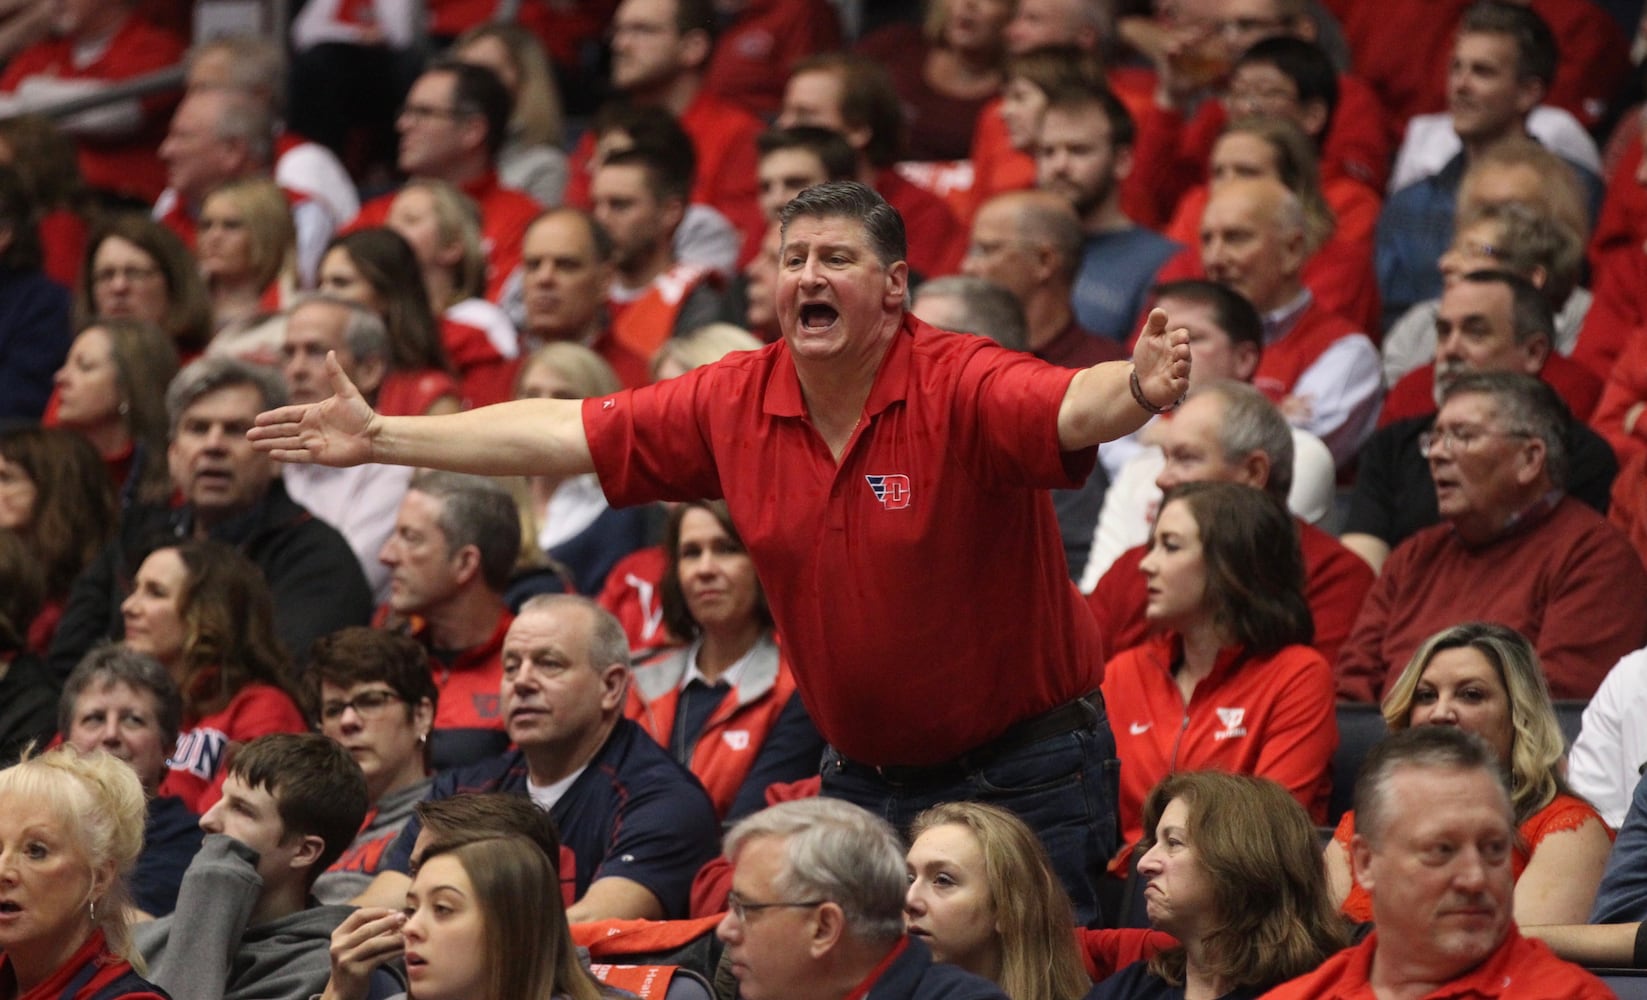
[203, 610]
[725, 706]
[1229, 680]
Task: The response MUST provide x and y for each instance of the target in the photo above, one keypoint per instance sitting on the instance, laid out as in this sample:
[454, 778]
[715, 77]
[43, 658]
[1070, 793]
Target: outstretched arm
[527, 437]
[1099, 407]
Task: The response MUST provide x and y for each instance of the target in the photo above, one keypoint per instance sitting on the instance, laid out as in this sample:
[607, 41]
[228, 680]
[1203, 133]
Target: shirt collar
[783, 396]
[1279, 322]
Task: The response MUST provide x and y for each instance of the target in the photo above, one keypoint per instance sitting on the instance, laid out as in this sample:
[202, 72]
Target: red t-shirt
[937, 504]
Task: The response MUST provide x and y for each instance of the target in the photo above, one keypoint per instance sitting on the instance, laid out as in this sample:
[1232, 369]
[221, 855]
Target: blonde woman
[442, 226]
[1486, 679]
[247, 247]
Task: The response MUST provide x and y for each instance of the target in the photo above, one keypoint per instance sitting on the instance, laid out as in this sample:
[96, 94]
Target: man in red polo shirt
[885, 476]
[455, 542]
[1433, 839]
[452, 125]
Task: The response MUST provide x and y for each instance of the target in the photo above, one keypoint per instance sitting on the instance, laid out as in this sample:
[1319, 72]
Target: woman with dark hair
[56, 495]
[112, 392]
[377, 268]
[1486, 679]
[136, 268]
[1229, 680]
[1230, 870]
[203, 610]
[27, 688]
[34, 310]
[730, 678]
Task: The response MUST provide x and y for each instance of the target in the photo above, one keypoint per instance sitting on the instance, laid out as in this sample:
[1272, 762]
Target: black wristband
[1143, 401]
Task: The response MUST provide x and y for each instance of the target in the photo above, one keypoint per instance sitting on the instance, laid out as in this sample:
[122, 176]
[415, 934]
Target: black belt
[1066, 718]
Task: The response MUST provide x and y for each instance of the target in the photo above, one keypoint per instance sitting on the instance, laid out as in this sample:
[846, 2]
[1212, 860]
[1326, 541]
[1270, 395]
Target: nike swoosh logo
[1139, 728]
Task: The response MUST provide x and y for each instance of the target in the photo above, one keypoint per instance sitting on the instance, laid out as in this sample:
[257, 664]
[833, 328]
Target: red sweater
[1290, 357]
[199, 765]
[1567, 580]
[1270, 717]
[1414, 395]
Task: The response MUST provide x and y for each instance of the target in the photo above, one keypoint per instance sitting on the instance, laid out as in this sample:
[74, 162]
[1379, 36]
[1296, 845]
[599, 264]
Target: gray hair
[608, 643]
[255, 65]
[1051, 222]
[363, 330]
[1529, 406]
[112, 663]
[1421, 746]
[852, 200]
[247, 118]
[990, 310]
[1530, 238]
[1252, 423]
[839, 852]
[478, 511]
[209, 374]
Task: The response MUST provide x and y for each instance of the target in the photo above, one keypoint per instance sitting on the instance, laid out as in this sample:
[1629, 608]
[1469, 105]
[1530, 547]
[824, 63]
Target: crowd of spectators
[603, 466]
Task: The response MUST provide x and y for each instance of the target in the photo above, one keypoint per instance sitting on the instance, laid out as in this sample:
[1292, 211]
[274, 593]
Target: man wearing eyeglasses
[816, 911]
[1486, 321]
[1513, 548]
[451, 127]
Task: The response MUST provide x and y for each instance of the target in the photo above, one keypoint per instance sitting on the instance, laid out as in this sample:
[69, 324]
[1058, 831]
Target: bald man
[1318, 367]
[1029, 242]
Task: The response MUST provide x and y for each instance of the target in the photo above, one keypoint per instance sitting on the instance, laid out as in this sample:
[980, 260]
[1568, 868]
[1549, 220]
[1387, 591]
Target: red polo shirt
[901, 578]
[1520, 967]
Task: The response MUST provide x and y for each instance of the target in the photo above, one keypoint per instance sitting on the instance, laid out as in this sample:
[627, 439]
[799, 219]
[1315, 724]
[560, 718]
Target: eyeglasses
[366, 705]
[1461, 438]
[742, 908]
[1235, 27]
[133, 273]
[424, 112]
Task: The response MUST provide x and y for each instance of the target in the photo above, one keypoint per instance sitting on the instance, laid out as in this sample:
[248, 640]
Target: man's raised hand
[337, 431]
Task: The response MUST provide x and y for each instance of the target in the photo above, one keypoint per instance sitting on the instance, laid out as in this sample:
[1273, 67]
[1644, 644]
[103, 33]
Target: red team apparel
[1521, 968]
[882, 674]
[1270, 717]
[198, 766]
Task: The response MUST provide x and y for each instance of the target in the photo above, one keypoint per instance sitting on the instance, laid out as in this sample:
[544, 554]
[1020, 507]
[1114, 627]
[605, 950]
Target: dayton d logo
[891, 491]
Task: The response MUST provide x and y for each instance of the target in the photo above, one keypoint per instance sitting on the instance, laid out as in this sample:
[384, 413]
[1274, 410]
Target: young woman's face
[153, 613]
[88, 384]
[445, 933]
[1022, 103]
[1460, 687]
[412, 215]
[1175, 571]
[340, 277]
[223, 244]
[948, 904]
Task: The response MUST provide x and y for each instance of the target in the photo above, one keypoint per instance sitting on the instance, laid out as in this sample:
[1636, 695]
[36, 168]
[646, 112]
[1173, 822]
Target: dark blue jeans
[1064, 787]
